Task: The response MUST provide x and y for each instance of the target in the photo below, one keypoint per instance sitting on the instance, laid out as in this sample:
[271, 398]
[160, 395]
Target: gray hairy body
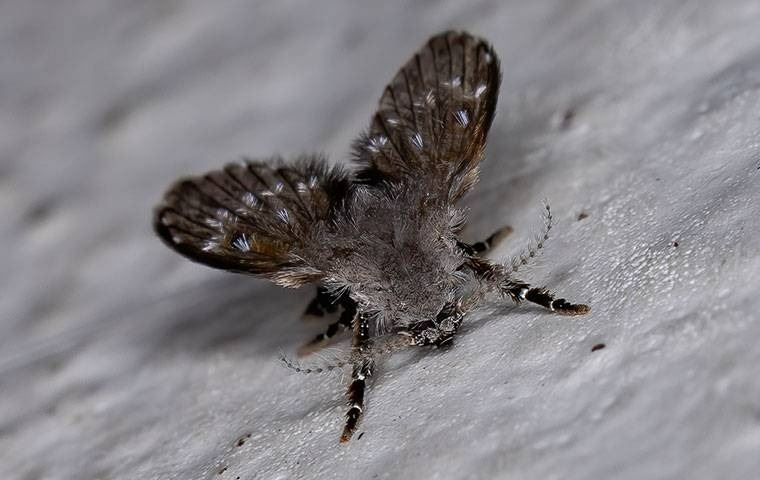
[398, 256]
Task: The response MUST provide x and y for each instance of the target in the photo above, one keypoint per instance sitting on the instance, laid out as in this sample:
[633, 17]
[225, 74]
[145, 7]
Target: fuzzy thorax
[402, 265]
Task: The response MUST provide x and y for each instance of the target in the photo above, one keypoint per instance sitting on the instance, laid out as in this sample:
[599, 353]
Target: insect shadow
[222, 314]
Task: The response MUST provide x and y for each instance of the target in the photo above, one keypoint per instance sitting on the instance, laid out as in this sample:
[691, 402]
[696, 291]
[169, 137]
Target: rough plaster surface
[121, 360]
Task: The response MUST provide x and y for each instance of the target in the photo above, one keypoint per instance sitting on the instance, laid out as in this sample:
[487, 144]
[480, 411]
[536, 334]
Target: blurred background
[637, 120]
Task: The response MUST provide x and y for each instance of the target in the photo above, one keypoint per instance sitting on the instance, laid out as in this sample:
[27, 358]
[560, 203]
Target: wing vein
[412, 108]
[451, 58]
[183, 231]
[229, 195]
[389, 88]
[468, 127]
[266, 185]
[386, 132]
[437, 92]
[185, 217]
[307, 212]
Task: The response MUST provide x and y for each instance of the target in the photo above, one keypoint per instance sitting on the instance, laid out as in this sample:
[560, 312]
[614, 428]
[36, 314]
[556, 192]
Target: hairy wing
[431, 125]
[267, 219]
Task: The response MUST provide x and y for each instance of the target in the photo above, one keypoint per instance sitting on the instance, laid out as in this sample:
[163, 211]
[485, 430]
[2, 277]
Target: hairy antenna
[300, 367]
[537, 244]
[376, 348]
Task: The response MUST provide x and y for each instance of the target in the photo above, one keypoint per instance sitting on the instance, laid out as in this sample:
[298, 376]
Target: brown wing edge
[465, 174]
[289, 270]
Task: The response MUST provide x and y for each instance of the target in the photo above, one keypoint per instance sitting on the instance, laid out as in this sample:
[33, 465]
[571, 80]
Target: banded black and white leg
[344, 322]
[362, 370]
[499, 276]
[519, 291]
[483, 246]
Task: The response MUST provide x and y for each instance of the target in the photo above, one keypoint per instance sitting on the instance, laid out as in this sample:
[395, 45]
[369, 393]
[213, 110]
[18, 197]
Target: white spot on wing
[480, 90]
[213, 223]
[241, 243]
[430, 97]
[278, 188]
[377, 142]
[417, 141]
[456, 81]
[283, 215]
[461, 117]
[209, 245]
[224, 216]
[250, 200]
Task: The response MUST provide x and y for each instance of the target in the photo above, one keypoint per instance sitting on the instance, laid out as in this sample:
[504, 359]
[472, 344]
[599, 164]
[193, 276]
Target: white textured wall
[121, 360]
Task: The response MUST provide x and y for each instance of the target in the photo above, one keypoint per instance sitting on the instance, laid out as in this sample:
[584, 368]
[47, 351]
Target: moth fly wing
[433, 118]
[260, 218]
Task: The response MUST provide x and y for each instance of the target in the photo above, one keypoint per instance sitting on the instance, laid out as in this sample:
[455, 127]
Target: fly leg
[362, 370]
